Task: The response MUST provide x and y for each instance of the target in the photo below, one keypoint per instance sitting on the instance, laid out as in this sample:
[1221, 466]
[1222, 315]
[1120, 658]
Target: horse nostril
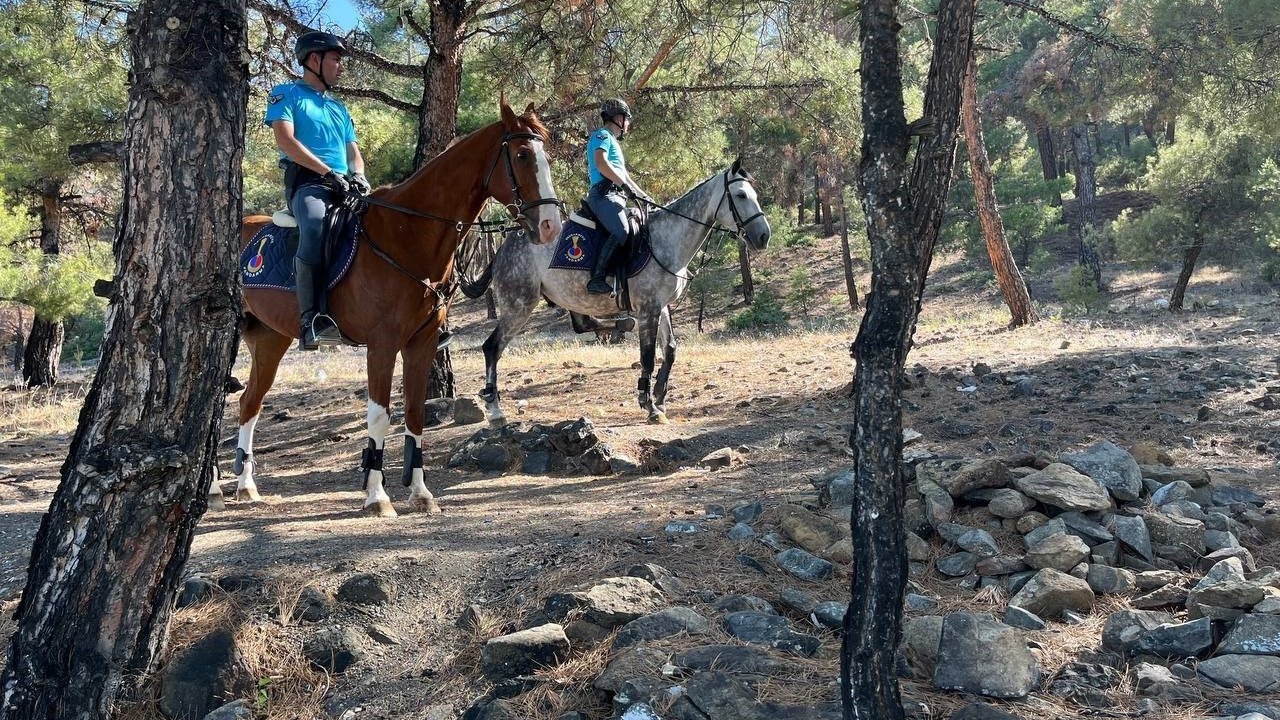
[764, 238]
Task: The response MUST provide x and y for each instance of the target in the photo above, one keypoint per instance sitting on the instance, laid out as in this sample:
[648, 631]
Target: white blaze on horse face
[379, 421]
[549, 222]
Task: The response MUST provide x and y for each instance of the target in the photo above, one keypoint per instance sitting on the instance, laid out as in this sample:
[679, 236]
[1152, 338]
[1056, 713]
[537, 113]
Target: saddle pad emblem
[257, 263]
[575, 253]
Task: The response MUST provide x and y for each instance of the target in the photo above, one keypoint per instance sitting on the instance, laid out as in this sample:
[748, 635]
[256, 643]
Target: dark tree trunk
[748, 285]
[817, 196]
[108, 558]
[1124, 127]
[1169, 131]
[440, 382]
[702, 309]
[491, 305]
[800, 205]
[1149, 127]
[1010, 280]
[828, 218]
[442, 79]
[18, 350]
[903, 220]
[850, 285]
[1048, 156]
[1189, 258]
[1086, 226]
[43, 350]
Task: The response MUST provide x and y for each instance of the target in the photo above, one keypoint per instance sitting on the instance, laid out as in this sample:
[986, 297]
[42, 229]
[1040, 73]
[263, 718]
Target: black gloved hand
[359, 184]
[337, 182]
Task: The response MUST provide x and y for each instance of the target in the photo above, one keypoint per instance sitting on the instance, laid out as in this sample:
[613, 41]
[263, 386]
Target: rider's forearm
[355, 160]
[296, 151]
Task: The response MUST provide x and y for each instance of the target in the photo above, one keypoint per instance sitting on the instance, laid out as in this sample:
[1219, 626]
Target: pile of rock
[569, 447]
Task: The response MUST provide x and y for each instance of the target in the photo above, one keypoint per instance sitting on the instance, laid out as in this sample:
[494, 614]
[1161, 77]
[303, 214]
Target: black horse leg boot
[597, 284]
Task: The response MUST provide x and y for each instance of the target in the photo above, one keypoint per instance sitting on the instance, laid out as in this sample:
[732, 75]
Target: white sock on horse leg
[246, 489]
[379, 422]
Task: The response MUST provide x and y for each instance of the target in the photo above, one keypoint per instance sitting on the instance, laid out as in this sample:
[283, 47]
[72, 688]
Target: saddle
[267, 260]
[630, 257]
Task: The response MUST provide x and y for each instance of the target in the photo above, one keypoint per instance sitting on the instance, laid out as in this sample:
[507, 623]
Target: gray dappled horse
[523, 277]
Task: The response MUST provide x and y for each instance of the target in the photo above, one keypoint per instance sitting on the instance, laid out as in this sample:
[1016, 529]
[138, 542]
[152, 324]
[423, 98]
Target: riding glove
[359, 184]
[337, 182]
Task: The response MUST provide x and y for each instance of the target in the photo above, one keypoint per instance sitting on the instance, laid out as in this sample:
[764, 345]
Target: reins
[711, 227]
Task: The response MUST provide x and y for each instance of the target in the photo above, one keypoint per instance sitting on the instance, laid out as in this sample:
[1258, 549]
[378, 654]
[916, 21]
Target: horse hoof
[382, 508]
[215, 502]
[659, 419]
[497, 422]
[248, 495]
[426, 505]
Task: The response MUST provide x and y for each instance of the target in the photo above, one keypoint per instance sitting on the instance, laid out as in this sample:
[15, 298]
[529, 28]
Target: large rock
[921, 637]
[978, 654]
[1110, 465]
[1009, 503]
[1122, 630]
[1176, 531]
[720, 696]
[813, 532]
[334, 649]
[664, 623]
[1177, 640]
[1105, 580]
[1237, 594]
[611, 603]
[521, 653]
[804, 565]
[1050, 592]
[630, 663]
[733, 658]
[205, 676]
[1060, 552]
[1254, 673]
[958, 477]
[1195, 477]
[771, 631]
[1253, 635]
[367, 589]
[1133, 533]
[235, 710]
[1062, 487]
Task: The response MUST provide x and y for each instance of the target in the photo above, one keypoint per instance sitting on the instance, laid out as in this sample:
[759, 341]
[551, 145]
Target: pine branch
[373, 59]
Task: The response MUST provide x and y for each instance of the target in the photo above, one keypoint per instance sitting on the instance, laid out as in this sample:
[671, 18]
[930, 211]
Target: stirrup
[443, 339]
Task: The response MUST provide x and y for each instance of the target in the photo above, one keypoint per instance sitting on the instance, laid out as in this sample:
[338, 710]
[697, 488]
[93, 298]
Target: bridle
[738, 220]
[519, 208]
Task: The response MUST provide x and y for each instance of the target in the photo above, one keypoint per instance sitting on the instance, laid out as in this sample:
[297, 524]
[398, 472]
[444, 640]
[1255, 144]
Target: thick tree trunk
[108, 558]
[1086, 225]
[43, 353]
[1048, 156]
[1009, 279]
[1189, 258]
[800, 205]
[1169, 131]
[442, 80]
[43, 350]
[748, 285]
[850, 285]
[903, 221]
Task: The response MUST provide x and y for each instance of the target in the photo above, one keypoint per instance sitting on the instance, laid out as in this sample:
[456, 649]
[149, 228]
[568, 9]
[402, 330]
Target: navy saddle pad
[579, 244]
[267, 261]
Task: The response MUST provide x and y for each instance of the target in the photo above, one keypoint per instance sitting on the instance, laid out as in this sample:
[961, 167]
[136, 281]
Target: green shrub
[764, 313]
[800, 291]
[1078, 292]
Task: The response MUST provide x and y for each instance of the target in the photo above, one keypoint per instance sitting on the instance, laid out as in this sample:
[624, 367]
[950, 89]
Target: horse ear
[528, 109]
[508, 115]
[737, 166]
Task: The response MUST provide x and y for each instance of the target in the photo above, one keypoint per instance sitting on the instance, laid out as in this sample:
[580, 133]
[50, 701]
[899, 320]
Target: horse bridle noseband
[520, 208]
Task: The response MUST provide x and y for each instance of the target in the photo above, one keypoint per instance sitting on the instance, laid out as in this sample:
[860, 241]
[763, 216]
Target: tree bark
[441, 79]
[850, 284]
[43, 350]
[1012, 286]
[800, 205]
[1189, 258]
[1086, 193]
[1169, 130]
[108, 558]
[828, 218]
[817, 196]
[1048, 156]
[748, 285]
[903, 221]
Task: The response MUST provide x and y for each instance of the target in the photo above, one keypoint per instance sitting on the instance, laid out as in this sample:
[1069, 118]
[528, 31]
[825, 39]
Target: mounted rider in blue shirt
[322, 163]
[607, 173]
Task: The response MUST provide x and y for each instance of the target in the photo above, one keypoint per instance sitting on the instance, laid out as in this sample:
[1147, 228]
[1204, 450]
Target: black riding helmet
[613, 107]
[316, 41]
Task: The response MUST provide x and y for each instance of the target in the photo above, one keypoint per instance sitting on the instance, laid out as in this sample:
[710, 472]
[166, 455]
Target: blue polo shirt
[320, 122]
[602, 138]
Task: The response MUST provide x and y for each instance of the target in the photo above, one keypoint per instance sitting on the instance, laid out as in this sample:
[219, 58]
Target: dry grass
[41, 411]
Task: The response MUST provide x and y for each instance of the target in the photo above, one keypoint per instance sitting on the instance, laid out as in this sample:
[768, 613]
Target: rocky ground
[1092, 505]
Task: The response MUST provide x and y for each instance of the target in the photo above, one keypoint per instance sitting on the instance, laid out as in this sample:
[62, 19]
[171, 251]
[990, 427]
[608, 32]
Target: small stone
[1253, 635]
[195, 589]
[334, 649]
[748, 512]
[1167, 596]
[919, 603]
[384, 635]
[522, 653]
[1110, 465]
[769, 630]
[1061, 486]
[683, 527]
[1254, 673]
[731, 658]
[1122, 629]
[1106, 580]
[830, 614]
[662, 624]
[741, 531]
[235, 710]
[467, 410]
[1177, 640]
[1000, 565]
[804, 565]
[1009, 503]
[739, 603]
[799, 601]
[1060, 552]
[1050, 592]
[1154, 579]
[957, 565]
[722, 458]
[313, 605]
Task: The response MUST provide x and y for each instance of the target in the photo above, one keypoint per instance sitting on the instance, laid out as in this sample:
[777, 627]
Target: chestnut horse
[397, 292]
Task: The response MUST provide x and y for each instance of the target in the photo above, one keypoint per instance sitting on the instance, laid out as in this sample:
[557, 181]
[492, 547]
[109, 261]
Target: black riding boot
[317, 329]
[597, 285]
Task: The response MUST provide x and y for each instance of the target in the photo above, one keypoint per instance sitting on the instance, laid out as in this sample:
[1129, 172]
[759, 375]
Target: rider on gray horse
[607, 174]
[321, 162]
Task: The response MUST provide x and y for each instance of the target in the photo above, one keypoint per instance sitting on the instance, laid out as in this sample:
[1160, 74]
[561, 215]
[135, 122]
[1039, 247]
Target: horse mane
[535, 124]
[529, 118]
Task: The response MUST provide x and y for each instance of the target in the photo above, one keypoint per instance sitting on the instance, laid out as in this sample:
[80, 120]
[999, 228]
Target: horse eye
[522, 155]
[742, 195]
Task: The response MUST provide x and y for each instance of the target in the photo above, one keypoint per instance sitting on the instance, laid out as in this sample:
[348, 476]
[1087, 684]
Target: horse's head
[525, 187]
[742, 211]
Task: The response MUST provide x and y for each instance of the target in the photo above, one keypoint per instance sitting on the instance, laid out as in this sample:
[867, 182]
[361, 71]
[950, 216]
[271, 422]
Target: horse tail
[475, 288]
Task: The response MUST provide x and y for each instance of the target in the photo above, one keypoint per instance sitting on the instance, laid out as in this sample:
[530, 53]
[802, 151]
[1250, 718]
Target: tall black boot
[316, 329]
[597, 284]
